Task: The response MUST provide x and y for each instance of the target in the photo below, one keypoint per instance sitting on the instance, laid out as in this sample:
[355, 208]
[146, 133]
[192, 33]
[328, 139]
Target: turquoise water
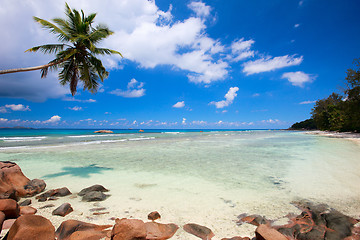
[191, 175]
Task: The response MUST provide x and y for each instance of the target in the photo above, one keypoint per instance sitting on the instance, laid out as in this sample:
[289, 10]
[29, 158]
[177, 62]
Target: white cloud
[272, 121]
[134, 122]
[184, 121]
[307, 102]
[76, 108]
[240, 49]
[201, 122]
[256, 95]
[3, 120]
[269, 64]
[72, 99]
[14, 107]
[179, 104]
[297, 25]
[301, 2]
[229, 98]
[143, 33]
[17, 107]
[298, 78]
[53, 119]
[200, 8]
[224, 111]
[3, 110]
[134, 90]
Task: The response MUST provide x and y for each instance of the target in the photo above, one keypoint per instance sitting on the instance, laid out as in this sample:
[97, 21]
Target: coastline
[355, 137]
[193, 186]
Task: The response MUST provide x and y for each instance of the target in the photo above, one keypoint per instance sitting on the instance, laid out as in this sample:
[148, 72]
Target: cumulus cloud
[53, 119]
[179, 104]
[270, 64]
[144, 34]
[134, 90]
[17, 107]
[297, 25]
[307, 102]
[3, 120]
[200, 8]
[240, 49]
[76, 108]
[229, 98]
[298, 78]
[14, 107]
[183, 121]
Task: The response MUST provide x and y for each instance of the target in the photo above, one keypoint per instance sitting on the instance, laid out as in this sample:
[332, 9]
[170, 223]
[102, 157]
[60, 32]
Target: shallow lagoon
[208, 178]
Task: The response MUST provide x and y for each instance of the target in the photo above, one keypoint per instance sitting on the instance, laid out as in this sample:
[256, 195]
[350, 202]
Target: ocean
[208, 177]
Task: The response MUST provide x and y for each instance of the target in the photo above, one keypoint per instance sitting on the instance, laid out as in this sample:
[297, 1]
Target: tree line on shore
[338, 112]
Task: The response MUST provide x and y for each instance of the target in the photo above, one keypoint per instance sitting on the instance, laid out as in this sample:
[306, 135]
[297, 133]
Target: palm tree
[75, 55]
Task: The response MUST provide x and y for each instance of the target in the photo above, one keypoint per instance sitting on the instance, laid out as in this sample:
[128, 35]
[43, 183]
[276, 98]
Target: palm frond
[48, 48]
[53, 65]
[98, 67]
[99, 33]
[61, 35]
[90, 18]
[105, 51]
[64, 25]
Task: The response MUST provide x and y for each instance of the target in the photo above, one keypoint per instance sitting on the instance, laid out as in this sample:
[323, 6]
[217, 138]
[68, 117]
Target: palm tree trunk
[15, 70]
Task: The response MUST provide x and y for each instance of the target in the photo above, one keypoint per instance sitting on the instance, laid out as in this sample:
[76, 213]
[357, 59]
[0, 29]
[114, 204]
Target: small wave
[140, 139]
[21, 139]
[95, 135]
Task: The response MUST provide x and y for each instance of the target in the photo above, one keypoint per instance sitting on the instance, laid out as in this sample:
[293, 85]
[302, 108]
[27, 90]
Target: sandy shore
[345, 135]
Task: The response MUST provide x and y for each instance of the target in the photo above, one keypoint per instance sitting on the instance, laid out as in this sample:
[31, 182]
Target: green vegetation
[338, 112]
[75, 55]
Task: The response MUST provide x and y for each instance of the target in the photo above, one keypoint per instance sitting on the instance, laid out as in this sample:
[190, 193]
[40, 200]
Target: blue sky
[187, 64]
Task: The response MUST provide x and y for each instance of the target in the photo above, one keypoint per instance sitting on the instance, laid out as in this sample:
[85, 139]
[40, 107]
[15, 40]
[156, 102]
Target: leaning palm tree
[75, 55]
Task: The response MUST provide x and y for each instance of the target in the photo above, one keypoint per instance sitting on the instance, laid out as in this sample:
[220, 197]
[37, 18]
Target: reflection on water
[83, 172]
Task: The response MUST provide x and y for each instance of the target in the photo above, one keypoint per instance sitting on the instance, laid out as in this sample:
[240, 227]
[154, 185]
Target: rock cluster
[316, 222]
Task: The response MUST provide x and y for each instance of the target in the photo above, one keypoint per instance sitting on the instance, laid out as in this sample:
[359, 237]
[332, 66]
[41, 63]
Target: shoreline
[355, 137]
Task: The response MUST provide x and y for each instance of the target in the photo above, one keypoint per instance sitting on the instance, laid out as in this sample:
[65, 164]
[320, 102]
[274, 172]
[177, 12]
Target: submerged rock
[63, 210]
[128, 229]
[97, 187]
[104, 131]
[199, 231]
[94, 196]
[76, 230]
[31, 227]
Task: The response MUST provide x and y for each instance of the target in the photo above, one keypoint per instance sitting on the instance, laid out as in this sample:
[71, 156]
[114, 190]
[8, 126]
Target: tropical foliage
[76, 52]
[338, 112]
